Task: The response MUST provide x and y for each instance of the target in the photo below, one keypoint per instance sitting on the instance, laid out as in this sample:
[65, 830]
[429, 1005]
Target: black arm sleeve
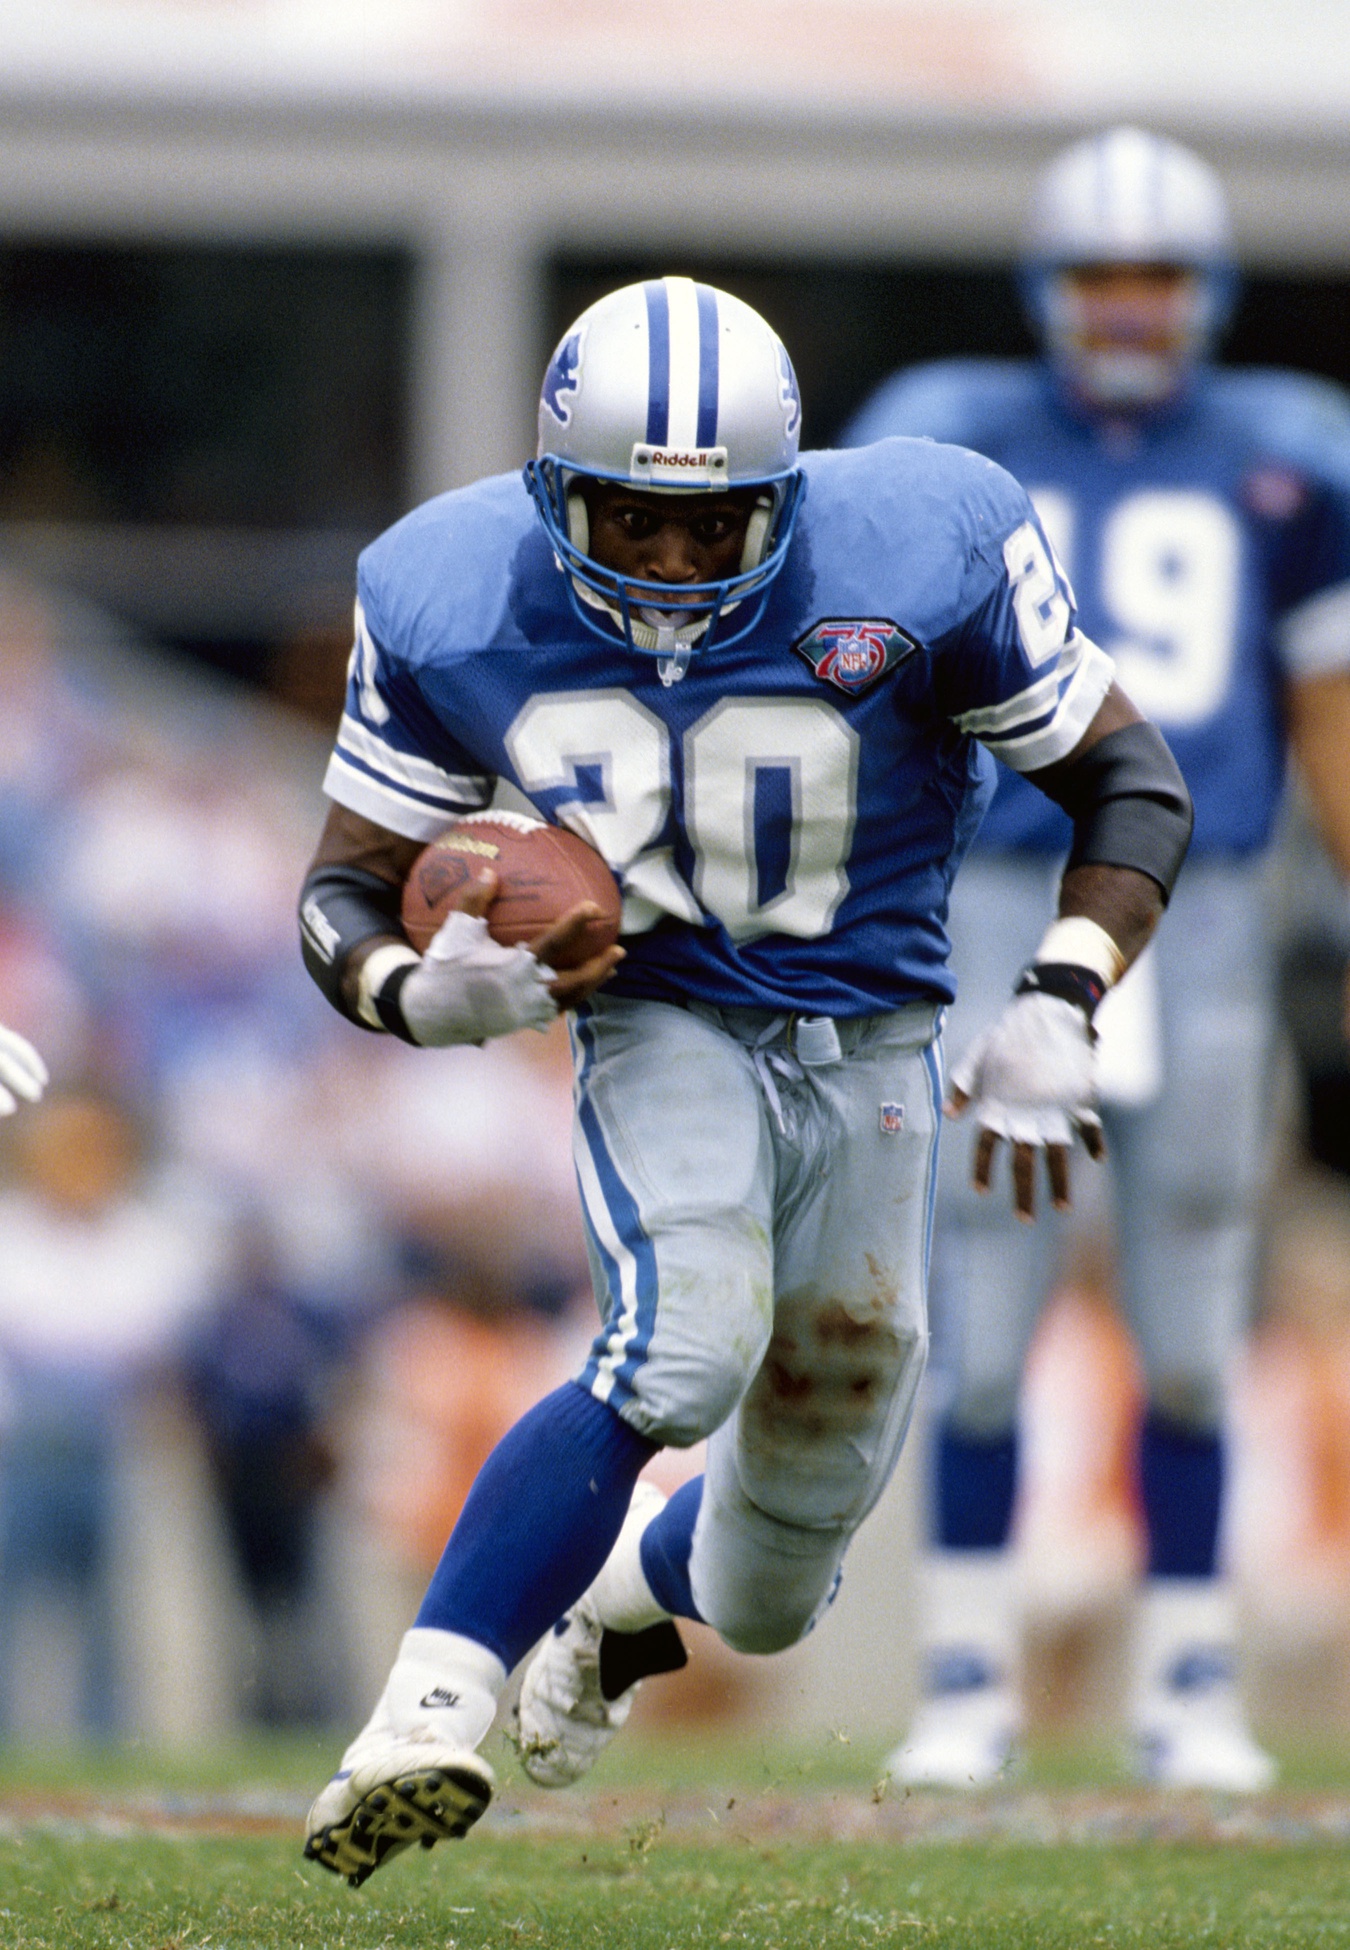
[1128, 803]
[340, 907]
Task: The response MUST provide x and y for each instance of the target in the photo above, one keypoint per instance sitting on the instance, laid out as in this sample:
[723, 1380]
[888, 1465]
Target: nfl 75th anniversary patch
[852, 652]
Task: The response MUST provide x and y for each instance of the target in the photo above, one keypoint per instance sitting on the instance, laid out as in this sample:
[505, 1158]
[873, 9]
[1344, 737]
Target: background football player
[1204, 517]
[754, 682]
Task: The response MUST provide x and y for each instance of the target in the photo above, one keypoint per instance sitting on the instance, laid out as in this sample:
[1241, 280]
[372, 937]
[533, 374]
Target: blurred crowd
[269, 1289]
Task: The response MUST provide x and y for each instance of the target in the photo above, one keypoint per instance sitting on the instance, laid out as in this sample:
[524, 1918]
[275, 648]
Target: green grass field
[674, 1846]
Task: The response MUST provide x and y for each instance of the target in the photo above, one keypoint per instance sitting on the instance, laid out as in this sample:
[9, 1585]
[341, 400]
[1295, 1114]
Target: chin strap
[671, 669]
[674, 647]
[653, 629]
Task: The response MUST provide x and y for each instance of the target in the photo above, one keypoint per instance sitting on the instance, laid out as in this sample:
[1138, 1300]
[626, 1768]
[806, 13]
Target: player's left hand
[22, 1072]
[1032, 1080]
[557, 944]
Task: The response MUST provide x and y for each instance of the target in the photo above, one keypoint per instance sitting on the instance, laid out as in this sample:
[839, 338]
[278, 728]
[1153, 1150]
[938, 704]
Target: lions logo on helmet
[788, 394]
[560, 381]
[670, 386]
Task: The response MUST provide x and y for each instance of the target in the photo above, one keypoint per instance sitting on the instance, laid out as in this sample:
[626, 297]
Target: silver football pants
[758, 1198]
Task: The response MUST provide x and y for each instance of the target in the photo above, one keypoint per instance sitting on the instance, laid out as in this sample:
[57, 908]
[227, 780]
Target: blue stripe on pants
[628, 1330]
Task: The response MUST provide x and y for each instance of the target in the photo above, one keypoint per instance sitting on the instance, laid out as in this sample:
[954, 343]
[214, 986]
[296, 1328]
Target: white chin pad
[578, 523]
[757, 534]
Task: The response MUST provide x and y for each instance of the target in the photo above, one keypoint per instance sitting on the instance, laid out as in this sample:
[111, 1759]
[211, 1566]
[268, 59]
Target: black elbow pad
[1129, 804]
[340, 907]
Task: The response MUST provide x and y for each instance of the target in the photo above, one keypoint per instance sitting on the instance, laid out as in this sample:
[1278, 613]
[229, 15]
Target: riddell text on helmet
[647, 460]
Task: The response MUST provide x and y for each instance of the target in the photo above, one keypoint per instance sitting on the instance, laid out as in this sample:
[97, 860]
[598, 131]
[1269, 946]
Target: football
[542, 871]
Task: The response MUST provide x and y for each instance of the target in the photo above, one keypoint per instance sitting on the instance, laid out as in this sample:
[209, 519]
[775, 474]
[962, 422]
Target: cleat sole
[435, 1804]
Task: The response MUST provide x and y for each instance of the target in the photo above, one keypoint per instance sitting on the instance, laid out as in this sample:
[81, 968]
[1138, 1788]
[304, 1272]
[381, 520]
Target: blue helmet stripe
[658, 362]
[707, 366]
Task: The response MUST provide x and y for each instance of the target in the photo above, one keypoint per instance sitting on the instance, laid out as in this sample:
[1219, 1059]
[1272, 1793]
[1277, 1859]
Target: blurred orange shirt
[447, 1385]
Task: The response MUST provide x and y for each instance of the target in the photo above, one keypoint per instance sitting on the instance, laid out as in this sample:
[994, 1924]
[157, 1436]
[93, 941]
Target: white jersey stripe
[1077, 708]
[989, 720]
[384, 804]
[995, 723]
[403, 769]
[684, 362]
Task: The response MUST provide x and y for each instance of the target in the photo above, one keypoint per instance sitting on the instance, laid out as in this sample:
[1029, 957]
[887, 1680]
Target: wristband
[382, 975]
[1082, 944]
[1083, 987]
[1077, 961]
[342, 909]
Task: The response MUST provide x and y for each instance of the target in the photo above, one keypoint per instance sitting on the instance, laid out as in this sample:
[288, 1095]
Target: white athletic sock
[968, 1605]
[1190, 1722]
[968, 1714]
[621, 1593]
[443, 1686]
[1180, 1616]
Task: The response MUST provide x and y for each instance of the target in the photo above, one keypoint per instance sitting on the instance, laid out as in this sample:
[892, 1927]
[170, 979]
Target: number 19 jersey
[785, 820]
[1209, 548]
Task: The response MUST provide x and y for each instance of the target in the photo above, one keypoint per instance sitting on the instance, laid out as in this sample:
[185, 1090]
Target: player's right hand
[571, 985]
[1031, 1079]
[22, 1072]
[467, 987]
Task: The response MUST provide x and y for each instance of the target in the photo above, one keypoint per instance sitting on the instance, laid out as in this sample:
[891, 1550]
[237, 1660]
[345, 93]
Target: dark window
[848, 325]
[1298, 322]
[258, 387]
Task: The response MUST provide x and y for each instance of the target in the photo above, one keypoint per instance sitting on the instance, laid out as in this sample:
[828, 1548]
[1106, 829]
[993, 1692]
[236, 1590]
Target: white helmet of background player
[1128, 198]
[672, 387]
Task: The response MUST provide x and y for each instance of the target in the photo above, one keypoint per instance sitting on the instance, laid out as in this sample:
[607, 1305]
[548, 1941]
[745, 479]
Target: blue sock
[665, 1547]
[1181, 1482]
[975, 1481]
[539, 1522]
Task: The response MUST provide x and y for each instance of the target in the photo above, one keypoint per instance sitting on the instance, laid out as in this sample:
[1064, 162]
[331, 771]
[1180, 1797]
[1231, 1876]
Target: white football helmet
[669, 386]
[1127, 197]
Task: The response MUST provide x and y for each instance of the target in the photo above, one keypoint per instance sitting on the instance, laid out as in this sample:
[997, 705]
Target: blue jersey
[786, 820]
[1210, 551]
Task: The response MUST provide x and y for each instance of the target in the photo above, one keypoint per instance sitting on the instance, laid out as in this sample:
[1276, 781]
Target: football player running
[754, 680]
[23, 1074]
[1204, 517]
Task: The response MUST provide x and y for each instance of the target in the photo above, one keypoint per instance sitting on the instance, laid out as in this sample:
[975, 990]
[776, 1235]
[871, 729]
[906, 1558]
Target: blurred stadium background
[270, 273]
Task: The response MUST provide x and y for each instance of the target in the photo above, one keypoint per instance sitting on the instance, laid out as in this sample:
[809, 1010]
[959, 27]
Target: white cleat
[405, 1791]
[963, 1735]
[1192, 1733]
[579, 1688]
[411, 1774]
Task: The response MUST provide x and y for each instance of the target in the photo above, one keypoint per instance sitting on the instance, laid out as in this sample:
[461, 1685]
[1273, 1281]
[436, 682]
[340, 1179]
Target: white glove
[22, 1072]
[467, 987]
[1032, 1077]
